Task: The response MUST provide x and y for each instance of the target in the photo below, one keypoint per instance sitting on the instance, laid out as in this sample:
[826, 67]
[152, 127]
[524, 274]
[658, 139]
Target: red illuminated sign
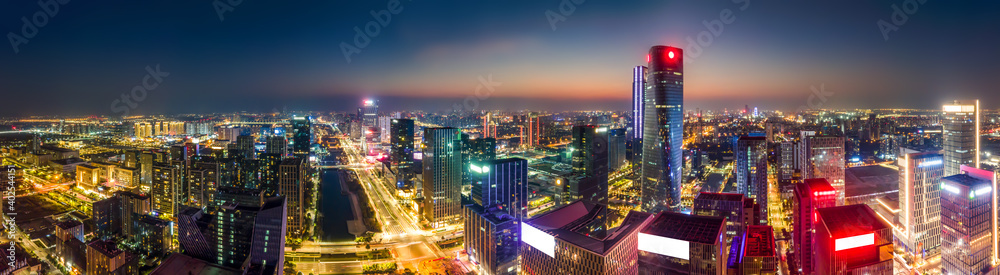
[854, 242]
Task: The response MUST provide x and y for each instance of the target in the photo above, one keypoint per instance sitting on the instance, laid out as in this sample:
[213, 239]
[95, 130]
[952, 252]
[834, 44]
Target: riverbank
[357, 225]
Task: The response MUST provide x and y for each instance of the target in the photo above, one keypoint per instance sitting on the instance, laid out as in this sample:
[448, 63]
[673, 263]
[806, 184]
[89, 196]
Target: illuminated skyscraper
[301, 136]
[724, 205]
[991, 177]
[961, 136]
[663, 119]
[920, 201]
[810, 195]
[966, 243]
[291, 185]
[368, 113]
[823, 157]
[500, 196]
[616, 149]
[634, 139]
[442, 176]
[751, 171]
[401, 150]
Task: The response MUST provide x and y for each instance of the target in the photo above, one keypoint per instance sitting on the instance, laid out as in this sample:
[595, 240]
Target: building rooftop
[965, 179]
[850, 220]
[692, 228]
[179, 263]
[720, 196]
[68, 224]
[759, 241]
[108, 248]
[872, 179]
[567, 222]
[69, 161]
[88, 166]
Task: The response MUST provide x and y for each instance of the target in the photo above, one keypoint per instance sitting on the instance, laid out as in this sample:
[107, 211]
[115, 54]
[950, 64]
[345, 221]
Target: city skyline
[262, 58]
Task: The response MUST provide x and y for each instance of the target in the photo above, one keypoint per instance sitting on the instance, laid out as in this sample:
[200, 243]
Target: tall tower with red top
[663, 126]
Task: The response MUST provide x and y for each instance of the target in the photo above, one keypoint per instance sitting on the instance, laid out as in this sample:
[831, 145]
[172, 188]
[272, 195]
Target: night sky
[267, 55]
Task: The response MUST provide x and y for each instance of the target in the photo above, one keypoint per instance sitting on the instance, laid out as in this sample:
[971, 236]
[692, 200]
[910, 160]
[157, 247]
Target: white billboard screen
[664, 246]
[538, 239]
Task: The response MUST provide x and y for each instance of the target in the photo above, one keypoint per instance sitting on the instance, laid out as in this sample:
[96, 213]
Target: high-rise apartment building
[166, 182]
[751, 171]
[663, 121]
[810, 195]
[961, 136]
[442, 176]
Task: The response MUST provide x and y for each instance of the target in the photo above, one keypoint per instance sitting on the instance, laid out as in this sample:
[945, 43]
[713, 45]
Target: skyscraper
[961, 136]
[532, 130]
[634, 140]
[663, 118]
[291, 181]
[810, 195]
[301, 136]
[723, 205]
[751, 171]
[989, 176]
[823, 157]
[500, 196]
[616, 149]
[276, 145]
[268, 246]
[442, 176]
[401, 150]
[369, 113]
[966, 226]
[165, 189]
[590, 164]
[920, 201]
[245, 143]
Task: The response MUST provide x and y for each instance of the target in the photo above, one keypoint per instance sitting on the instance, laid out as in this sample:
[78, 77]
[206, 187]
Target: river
[334, 208]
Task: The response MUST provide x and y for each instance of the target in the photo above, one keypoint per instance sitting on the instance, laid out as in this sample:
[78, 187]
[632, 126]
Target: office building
[301, 136]
[369, 113]
[823, 157]
[590, 164]
[810, 195]
[268, 247]
[442, 176]
[401, 150]
[638, 109]
[852, 240]
[558, 242]
[104, 258]
[991, 177]
[920, 176]
[751, 171]
[245, 145]
[492, 240]
[663, 121]
[502, 183]
[291, 185]
[723, 205]
[753, 252]
[676, 243]
[961, 136]
[617, 149]
[966, 229]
